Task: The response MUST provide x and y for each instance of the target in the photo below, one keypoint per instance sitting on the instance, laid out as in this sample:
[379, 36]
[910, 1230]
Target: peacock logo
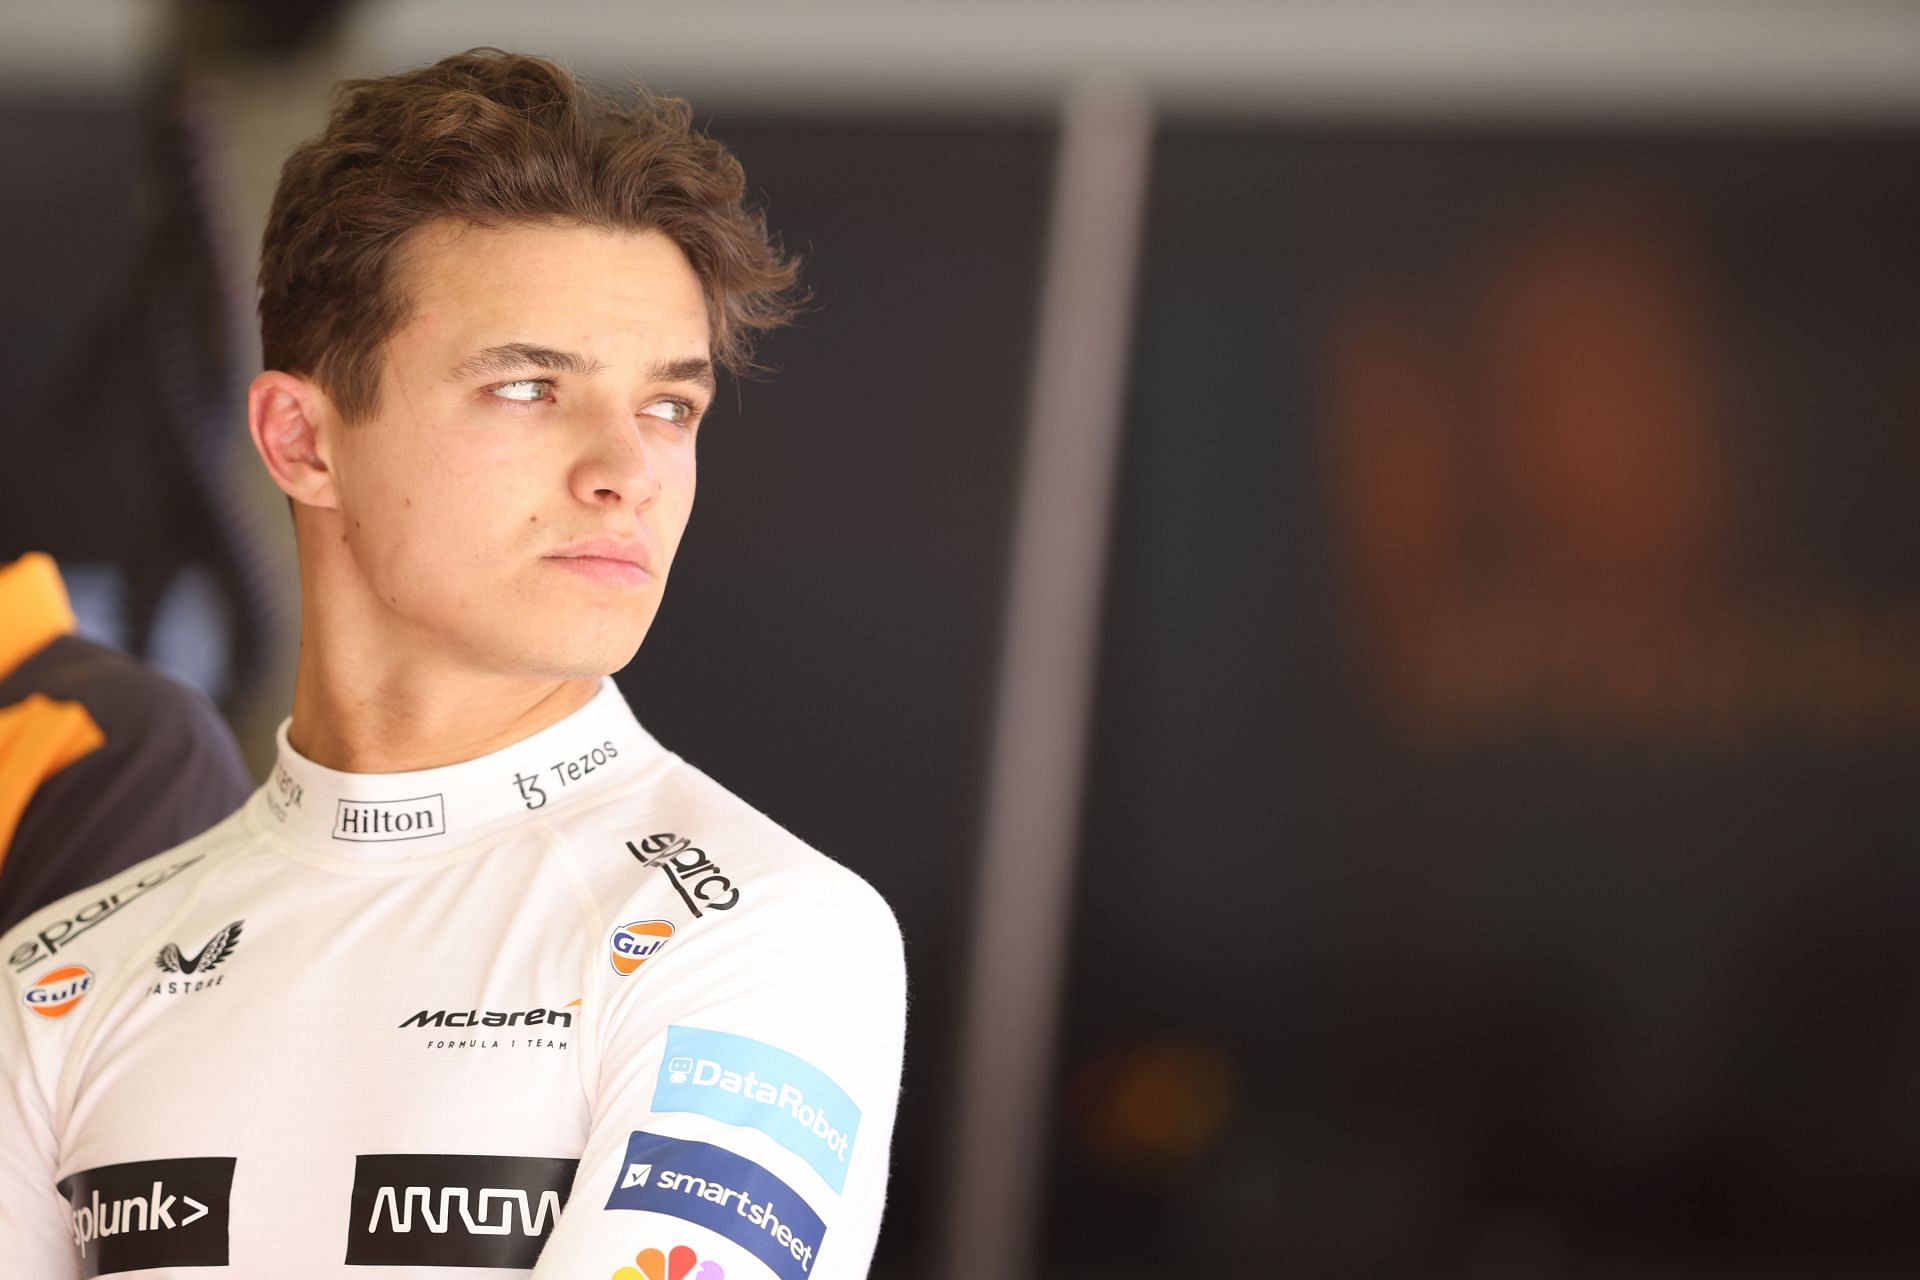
[679, 1264]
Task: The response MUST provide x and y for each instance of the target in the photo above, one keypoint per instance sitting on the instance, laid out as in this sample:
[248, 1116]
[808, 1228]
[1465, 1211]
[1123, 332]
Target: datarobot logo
[150, 1213]
[743, 1081]
[65, 931]
[692, 873]
[454, 1210]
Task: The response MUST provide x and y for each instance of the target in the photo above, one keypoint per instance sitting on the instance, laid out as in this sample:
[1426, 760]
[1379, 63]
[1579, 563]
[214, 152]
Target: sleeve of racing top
[744, 1099]
[35, 1240]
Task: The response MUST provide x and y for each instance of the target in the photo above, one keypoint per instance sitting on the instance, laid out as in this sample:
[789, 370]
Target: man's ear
[287, 416]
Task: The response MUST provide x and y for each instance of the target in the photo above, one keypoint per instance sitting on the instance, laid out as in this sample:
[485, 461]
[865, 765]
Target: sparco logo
[150, 1213]
[454, 1211]
[373, 820]
[62, 933]
[694, 876]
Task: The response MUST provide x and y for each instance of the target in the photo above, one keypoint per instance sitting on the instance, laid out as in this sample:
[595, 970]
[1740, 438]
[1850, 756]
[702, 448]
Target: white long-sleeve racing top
[570, 1009]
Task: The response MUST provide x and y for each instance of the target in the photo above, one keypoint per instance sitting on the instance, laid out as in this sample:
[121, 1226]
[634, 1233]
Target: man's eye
[679, 412]
[526, 391]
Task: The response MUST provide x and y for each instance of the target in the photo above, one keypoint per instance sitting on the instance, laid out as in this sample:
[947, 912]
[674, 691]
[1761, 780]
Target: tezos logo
[693, 875]
[635, 944]
[193, 969]
[681, 1264]
[565, 773]
[54, 994]
[150, 1213]
[366, 821]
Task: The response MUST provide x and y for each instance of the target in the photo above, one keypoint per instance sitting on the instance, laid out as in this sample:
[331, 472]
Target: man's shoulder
[110, 915]
[708, 856]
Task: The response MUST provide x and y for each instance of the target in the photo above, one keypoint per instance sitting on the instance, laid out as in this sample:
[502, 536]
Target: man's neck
[399, 720]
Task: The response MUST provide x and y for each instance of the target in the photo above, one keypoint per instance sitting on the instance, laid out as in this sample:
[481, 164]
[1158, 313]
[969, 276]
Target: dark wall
[1498, 853]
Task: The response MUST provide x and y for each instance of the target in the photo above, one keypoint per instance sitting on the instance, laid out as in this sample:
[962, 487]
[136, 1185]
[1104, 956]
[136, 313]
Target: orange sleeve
[38, 738]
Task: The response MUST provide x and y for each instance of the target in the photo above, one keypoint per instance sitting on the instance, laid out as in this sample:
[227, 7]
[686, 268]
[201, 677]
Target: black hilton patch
[454, 1211]
[150, 1213]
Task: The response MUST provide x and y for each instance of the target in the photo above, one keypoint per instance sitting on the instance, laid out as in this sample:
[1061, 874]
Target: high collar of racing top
[394, 817]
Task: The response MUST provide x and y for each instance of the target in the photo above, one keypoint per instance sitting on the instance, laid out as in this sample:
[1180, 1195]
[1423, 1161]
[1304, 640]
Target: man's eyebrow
[694, 369]
[512, 357]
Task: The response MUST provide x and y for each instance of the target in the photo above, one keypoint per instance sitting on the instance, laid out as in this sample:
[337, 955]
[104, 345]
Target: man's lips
[607, 560]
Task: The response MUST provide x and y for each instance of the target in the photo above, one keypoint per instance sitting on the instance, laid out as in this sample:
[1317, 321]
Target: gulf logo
[634, 944]
[55, 993]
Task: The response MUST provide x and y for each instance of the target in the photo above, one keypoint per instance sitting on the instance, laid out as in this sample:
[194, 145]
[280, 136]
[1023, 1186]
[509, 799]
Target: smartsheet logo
[725, 1193]
[150, 1213]
[368, 821]
[742, 1081]
[454, 1211]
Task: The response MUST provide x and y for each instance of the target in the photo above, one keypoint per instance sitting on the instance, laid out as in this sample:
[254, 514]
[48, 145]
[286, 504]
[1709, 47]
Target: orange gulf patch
[54, 994]
[632, 945]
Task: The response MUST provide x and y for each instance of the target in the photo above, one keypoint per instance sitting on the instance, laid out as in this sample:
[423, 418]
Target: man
[483, 976]
[103, 762]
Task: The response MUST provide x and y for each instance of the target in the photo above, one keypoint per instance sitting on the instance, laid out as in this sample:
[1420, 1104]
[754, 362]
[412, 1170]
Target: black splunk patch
[150, 1213]
[454, 1211]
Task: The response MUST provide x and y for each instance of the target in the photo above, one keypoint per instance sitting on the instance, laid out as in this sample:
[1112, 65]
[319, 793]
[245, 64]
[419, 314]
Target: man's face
[534, 434]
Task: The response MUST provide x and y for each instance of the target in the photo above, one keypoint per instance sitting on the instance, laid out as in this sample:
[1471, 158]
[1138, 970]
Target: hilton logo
[369, 820]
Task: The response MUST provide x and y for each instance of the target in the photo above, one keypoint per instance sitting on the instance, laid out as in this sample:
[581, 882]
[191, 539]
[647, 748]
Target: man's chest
[362, 1084]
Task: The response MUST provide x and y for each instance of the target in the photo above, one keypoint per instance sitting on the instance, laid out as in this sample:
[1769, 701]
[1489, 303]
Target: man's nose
[619, 469]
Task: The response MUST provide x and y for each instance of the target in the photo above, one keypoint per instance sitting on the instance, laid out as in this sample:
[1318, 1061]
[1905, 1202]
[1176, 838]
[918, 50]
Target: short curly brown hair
[494, 138]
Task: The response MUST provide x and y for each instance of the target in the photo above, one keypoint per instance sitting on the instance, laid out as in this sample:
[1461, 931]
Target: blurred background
[1346, 568]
